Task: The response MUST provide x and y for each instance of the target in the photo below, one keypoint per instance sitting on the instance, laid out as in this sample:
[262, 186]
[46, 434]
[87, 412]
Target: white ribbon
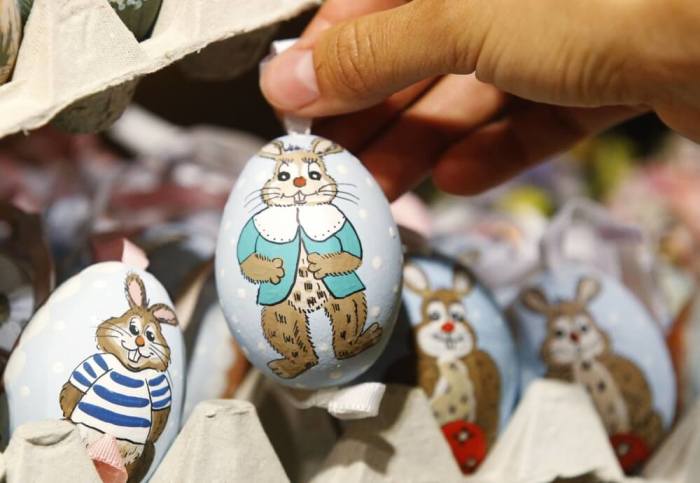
[352, 402]
[293, 124]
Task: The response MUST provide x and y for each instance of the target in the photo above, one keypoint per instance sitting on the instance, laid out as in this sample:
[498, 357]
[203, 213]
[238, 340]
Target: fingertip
[288, 81]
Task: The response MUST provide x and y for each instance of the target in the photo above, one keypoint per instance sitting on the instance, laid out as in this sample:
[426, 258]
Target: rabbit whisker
[116, 327]
[349, 200]
[262, 196]
[264, 188]
[348, 194]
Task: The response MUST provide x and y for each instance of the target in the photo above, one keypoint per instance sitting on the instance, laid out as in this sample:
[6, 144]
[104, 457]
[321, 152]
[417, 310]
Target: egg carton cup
[72, 49]
[554, 435]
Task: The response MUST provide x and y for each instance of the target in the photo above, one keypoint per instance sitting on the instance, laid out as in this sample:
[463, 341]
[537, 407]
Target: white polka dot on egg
[241, 293]
[377, 262]
[335, 374]
[375, 311]
[58, 367]
[342, 169]
[24, 391]
[362, 213]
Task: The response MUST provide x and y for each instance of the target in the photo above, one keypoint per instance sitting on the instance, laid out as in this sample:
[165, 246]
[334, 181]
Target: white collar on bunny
[279, 224]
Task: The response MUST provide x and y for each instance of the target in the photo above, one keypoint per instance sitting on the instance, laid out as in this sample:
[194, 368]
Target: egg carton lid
[74, 48]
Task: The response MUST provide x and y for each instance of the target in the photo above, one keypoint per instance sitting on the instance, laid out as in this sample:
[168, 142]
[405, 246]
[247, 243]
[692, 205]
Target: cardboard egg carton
[554, 435]
[72, 49]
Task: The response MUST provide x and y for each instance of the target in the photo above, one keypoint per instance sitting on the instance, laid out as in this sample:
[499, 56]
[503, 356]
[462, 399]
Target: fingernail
[289, 81]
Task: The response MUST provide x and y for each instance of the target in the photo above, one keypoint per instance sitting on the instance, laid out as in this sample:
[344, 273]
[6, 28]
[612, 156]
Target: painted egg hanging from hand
[580, 325]
[106, 353]
[467, 363]
[308, 263]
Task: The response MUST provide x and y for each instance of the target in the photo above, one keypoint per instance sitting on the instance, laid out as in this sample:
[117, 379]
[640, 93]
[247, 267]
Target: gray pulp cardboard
[302, 438]
[223, 439]
[48, 451]
[555, 432]
[403, 443]
[76, 48]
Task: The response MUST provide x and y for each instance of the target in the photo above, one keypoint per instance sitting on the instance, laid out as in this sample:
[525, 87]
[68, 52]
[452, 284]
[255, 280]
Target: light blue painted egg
[580, 325]
[308, 263]
[106, 352]
[466, 359]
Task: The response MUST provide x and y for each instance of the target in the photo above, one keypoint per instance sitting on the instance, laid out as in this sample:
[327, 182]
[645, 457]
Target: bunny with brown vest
[461, 381]
[576, 349]
[123, 390]
[303, 253]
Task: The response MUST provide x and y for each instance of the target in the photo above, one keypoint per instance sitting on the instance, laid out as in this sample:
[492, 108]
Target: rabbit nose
[574, 336]
[299, 181]
[140, 342]
[448, 327]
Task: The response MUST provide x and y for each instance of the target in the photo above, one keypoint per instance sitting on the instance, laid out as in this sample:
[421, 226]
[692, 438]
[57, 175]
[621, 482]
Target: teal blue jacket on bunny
[345, 239]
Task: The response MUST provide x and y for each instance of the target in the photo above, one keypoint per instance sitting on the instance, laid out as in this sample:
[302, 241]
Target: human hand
[549, 73]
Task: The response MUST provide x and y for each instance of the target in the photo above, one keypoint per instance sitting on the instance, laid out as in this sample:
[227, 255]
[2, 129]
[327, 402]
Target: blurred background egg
[579, 324]
[105, 351]
[308, 263]
[10, 36]
[465, 357]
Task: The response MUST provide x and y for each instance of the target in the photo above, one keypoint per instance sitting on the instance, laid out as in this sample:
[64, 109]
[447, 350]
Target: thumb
[566, 53]
[360, 62]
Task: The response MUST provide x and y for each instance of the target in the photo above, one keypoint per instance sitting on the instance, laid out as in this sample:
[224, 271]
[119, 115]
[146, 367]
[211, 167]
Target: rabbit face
[574, 338]
[572, 334]
[300, 177]
[136, 338]
[444, 332]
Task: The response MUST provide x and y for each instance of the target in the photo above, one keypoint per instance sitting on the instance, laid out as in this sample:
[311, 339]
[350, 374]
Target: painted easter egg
[106, 353]
[215, 366]
[580, 325]
[16, 304]
[138, 15]
[466, 361]
[25, 7]
[99, 111]
[10, 36]
[308, 263]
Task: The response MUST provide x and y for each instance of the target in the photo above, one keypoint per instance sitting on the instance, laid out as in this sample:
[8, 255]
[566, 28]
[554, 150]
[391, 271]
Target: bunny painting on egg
[303, 253]
[577, 349]
[462, 381]
[123, 389]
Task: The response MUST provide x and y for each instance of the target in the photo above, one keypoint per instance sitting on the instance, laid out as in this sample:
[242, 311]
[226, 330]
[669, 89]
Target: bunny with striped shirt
[123, 390]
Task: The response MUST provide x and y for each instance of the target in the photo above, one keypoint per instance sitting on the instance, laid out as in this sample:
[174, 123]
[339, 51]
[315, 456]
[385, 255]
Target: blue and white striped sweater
[117, 401]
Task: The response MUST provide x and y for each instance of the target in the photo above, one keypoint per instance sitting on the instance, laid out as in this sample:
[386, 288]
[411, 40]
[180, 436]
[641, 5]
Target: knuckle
[350, 61]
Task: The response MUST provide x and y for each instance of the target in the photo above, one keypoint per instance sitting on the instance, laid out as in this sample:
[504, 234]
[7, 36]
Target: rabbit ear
[324, 147]
[587, 289]
[272, 150]
[536, 301]
[135, 291]
[415, 279]
[461, 281]
[164, 314]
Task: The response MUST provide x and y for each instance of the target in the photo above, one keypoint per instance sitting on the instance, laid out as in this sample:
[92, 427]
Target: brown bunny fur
[153, 351]
[285, 324]
[576, 349]
[437, 359]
